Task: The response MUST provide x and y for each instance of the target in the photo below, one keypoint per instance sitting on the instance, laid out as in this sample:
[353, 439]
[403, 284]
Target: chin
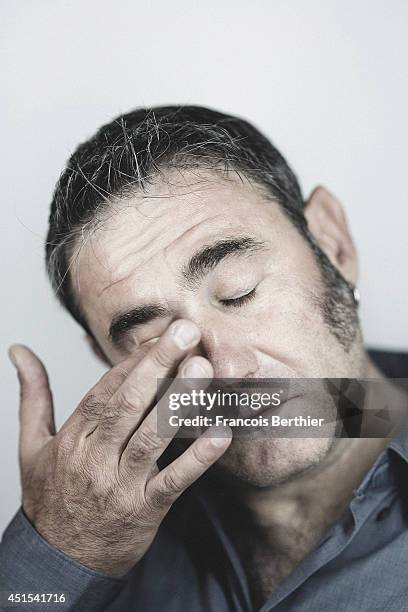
[266, 462]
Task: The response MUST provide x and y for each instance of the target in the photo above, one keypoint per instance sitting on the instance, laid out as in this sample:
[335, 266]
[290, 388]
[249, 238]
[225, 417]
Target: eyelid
[240, 300]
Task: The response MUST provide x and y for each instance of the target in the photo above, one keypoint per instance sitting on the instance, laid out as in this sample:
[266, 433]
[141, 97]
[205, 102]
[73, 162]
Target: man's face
[193, 247]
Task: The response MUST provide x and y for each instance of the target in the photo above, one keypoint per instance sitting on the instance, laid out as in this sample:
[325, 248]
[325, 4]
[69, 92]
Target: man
[180, 241]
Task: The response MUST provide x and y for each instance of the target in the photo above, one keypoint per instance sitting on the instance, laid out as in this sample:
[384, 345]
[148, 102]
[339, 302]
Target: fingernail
[184, 335]
[12, 357]
[194, 370]
[219, 436]
[220, 442]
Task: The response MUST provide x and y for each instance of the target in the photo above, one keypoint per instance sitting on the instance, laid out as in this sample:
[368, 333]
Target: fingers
[164, 488]
[131, 401]
[88, 414]
[146, 444]
[36, 407]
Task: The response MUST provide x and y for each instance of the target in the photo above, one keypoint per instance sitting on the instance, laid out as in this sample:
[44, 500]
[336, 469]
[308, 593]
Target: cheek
[289, 308]
[288, 326]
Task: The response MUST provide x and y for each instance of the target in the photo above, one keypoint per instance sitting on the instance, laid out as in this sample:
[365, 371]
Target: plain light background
[326, 80]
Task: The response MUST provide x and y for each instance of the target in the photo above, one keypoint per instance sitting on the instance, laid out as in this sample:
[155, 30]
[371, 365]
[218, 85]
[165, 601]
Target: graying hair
[128, 154]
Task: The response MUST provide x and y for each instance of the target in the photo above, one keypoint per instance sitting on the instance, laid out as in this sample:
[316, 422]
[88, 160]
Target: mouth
[266, 410]
[251, 398]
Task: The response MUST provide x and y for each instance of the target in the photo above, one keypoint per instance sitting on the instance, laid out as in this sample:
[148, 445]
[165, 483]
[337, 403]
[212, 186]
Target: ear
[97, 351]
[328, 224]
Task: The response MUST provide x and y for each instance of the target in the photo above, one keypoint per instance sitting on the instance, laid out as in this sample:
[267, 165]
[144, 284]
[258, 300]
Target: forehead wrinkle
[116, 282]
[132, 272]
[144, 262]
[153, 218]
[186, 232]
[129, 257]
[154, 215]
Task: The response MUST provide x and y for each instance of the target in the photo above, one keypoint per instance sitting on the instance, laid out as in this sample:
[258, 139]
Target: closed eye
[239, 301]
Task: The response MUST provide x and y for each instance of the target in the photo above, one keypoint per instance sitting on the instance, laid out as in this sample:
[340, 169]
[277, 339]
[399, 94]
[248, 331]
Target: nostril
[252, 374]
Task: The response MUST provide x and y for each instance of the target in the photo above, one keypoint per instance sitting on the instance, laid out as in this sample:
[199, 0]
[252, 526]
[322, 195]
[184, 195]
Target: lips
[236, 398]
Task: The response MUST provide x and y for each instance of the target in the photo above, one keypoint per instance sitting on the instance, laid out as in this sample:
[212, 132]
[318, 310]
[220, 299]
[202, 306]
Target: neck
[275, 529]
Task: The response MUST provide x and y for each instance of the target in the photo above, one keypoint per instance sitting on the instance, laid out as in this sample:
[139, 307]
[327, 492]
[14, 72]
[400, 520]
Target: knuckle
[145, 444]
[162, 357]
[173, 483]
[37, 379]
[120, 373]
[32, 391]
[134, 455]
[161, 499]
[147, 439]
[166, 491]
[114, 379]
[199, 458]
[130, 400]
[91, 408]
[111, 414]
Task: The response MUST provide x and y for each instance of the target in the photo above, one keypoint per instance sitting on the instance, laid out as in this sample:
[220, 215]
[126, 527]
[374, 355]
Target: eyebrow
[198, 266]
[125, 321]
[205, 260]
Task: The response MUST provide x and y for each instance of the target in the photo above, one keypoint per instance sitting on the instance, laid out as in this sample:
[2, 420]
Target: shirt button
[383, 514]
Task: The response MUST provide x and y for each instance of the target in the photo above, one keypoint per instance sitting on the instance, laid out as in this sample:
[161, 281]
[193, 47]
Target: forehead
[144, 239]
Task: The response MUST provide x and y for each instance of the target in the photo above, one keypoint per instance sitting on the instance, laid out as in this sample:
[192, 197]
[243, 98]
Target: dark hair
[129, 152]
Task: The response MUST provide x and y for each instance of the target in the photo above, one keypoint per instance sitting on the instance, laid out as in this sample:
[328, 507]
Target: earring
[356, 295]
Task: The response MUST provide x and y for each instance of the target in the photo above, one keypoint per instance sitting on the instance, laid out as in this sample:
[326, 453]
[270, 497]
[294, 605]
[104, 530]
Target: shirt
[360, 564]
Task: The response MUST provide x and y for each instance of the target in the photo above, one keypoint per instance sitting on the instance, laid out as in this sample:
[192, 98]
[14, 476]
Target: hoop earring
[356, 295]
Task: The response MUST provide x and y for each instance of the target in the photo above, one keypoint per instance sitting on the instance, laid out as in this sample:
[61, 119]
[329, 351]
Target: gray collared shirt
[360, 564]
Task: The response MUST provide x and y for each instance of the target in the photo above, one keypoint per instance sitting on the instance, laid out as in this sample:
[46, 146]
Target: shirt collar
[374, 477]
[399, 444]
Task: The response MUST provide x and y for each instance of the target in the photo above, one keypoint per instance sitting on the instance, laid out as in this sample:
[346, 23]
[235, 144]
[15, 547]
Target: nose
[227, 348]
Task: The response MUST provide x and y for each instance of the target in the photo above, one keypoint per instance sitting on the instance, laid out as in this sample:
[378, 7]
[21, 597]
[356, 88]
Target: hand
[93, 490]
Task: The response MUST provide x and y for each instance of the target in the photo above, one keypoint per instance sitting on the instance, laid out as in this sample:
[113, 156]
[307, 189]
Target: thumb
[36, 406]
